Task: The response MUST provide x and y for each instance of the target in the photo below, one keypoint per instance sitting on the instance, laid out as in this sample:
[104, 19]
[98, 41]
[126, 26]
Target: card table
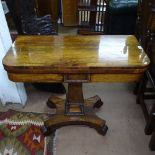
[75, 60]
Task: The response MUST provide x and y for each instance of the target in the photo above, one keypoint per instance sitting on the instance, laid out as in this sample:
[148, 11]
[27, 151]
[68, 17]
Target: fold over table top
[76, 54]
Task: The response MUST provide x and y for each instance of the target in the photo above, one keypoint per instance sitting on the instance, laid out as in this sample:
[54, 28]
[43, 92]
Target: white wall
[9, 91]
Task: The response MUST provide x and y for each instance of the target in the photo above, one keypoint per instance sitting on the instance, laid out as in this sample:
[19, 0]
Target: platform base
[89, 118]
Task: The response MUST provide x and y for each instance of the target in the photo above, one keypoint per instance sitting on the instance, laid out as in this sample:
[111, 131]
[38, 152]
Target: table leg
[74, 111]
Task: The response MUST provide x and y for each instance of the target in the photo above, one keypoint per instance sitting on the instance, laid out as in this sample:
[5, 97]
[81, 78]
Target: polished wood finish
[70, 14]
[76, 54]
[143, 16]
[149, 76]
[88, 118]
[77, 110]
[44, 7]
[75, 60]
[35, 77]
[115, 77]
[60, 78]
[146, 88]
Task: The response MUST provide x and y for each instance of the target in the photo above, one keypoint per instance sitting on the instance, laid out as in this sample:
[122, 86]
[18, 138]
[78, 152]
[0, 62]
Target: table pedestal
[74, 111]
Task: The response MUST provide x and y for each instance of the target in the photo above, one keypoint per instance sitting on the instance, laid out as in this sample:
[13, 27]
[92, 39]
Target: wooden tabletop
[62, 54]
[76, 54]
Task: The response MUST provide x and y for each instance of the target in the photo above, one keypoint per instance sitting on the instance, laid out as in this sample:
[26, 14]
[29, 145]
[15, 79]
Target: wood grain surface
[74, 54]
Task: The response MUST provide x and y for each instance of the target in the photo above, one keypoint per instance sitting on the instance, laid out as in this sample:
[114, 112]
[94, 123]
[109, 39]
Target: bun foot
[104, 130]
[50, 104]
[98, 104]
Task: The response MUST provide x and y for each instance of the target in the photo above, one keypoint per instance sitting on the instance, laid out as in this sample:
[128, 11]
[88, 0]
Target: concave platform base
[72, 112]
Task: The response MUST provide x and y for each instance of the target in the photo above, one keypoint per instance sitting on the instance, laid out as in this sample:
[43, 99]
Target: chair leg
[152, 142]
[140, 100]
[135, 91]
[141, 87]
[150, 126]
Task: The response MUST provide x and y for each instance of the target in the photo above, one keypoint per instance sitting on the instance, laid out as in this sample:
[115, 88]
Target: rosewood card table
[75, 60]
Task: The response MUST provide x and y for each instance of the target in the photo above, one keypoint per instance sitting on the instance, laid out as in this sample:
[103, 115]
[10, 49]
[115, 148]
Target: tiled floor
[124, 119]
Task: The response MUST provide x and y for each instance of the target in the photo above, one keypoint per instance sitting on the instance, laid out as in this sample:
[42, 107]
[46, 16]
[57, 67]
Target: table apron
[68, 78]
